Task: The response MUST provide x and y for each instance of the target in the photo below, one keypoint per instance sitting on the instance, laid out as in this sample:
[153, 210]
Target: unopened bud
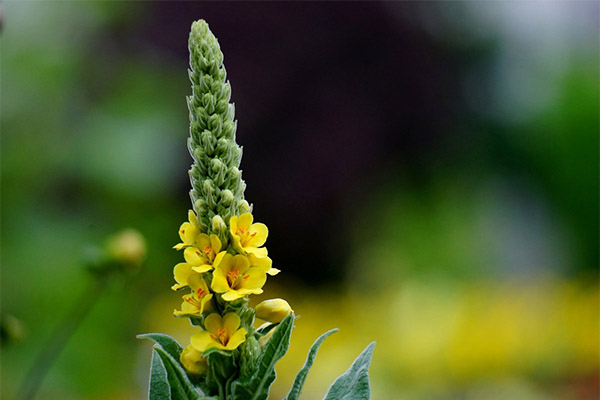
[273, 310]
[193, 361]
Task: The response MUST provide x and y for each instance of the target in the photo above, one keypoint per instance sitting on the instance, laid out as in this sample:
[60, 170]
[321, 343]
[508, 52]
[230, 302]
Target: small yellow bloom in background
[273, 310]
[193, 361]
[221, 333]
[234, 277]
[197, 302]
[248, 237]
[127, 246]
[188, 231]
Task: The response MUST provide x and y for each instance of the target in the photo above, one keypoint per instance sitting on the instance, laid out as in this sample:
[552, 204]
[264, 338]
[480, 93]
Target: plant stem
[60, 337]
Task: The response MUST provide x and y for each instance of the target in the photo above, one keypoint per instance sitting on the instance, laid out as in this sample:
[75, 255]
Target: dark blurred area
[427, 167]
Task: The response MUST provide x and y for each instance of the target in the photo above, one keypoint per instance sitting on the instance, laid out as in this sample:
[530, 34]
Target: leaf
[181, 386]
[159, 383]
[257, 386]
[354, 383]
[303, 373]
[166, 342]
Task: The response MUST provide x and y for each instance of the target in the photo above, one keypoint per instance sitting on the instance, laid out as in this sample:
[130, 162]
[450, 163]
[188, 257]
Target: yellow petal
[193, 256]
[192, 218]
[240, 263]
[233, 225]
[215, 244]
[261, 262]
[254, 278]
[202, 341]
[182, 272]
[223, 261]
[273, 271]
[232, 295]
[231, 321]
[196, 282]
[256, 252]
[213, 323]
[245, 221]
[202, 268]
[219, 283]
[179, 246]
[259, 233]
[236, 339]
[202, 240]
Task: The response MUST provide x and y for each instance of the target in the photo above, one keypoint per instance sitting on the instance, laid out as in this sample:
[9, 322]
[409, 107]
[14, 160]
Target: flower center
[232, 277]
[207, 251]
[221, 336]
[245, 235]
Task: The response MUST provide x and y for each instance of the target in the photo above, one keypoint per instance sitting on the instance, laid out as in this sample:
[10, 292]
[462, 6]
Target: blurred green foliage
[93, 140]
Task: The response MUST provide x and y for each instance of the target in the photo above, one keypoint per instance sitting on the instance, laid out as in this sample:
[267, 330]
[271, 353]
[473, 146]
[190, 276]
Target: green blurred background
[428, 172]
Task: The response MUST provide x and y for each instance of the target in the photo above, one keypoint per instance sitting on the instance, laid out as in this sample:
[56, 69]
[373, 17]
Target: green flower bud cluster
[217, 187]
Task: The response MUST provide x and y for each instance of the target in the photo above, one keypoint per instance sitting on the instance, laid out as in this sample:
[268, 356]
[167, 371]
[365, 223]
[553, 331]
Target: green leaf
[165, 342]
[159, 383]
[257, 386]
[181, 386]
[303, 373]
[354, 383]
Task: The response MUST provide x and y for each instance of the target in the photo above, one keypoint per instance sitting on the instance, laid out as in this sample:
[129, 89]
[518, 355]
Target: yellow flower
[193, 361]
[198, 301]
[221, 333]
[234, 277]
[188, 231]
[202, 255]
[273, 310]
[248, 237]
[198, 259]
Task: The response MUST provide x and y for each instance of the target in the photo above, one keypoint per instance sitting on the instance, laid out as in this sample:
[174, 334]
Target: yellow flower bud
[193, 361]
[127, 246]
[273, 310]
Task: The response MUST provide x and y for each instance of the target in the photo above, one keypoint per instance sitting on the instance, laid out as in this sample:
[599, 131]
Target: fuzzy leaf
[165, 342]
[181, 387]
[354, 383]
[303, 373]
[257, 386]
[159, 383]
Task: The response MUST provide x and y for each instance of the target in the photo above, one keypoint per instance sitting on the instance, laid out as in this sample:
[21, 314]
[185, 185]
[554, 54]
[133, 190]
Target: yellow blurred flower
[273, 310]
[221, 333]
[234, 277]
[197, 302]
[127, 246]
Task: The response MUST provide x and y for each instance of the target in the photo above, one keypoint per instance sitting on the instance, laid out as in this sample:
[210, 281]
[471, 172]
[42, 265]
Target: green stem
[59, 338]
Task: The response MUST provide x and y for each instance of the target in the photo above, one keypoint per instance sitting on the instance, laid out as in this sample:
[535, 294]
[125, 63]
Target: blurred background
[428, 172]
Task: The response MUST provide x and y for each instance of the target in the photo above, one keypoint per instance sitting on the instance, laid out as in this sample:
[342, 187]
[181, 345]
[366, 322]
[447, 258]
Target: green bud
[217, 186]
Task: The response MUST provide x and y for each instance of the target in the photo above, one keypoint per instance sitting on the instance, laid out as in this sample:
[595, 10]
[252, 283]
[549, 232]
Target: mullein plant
[225, 263]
